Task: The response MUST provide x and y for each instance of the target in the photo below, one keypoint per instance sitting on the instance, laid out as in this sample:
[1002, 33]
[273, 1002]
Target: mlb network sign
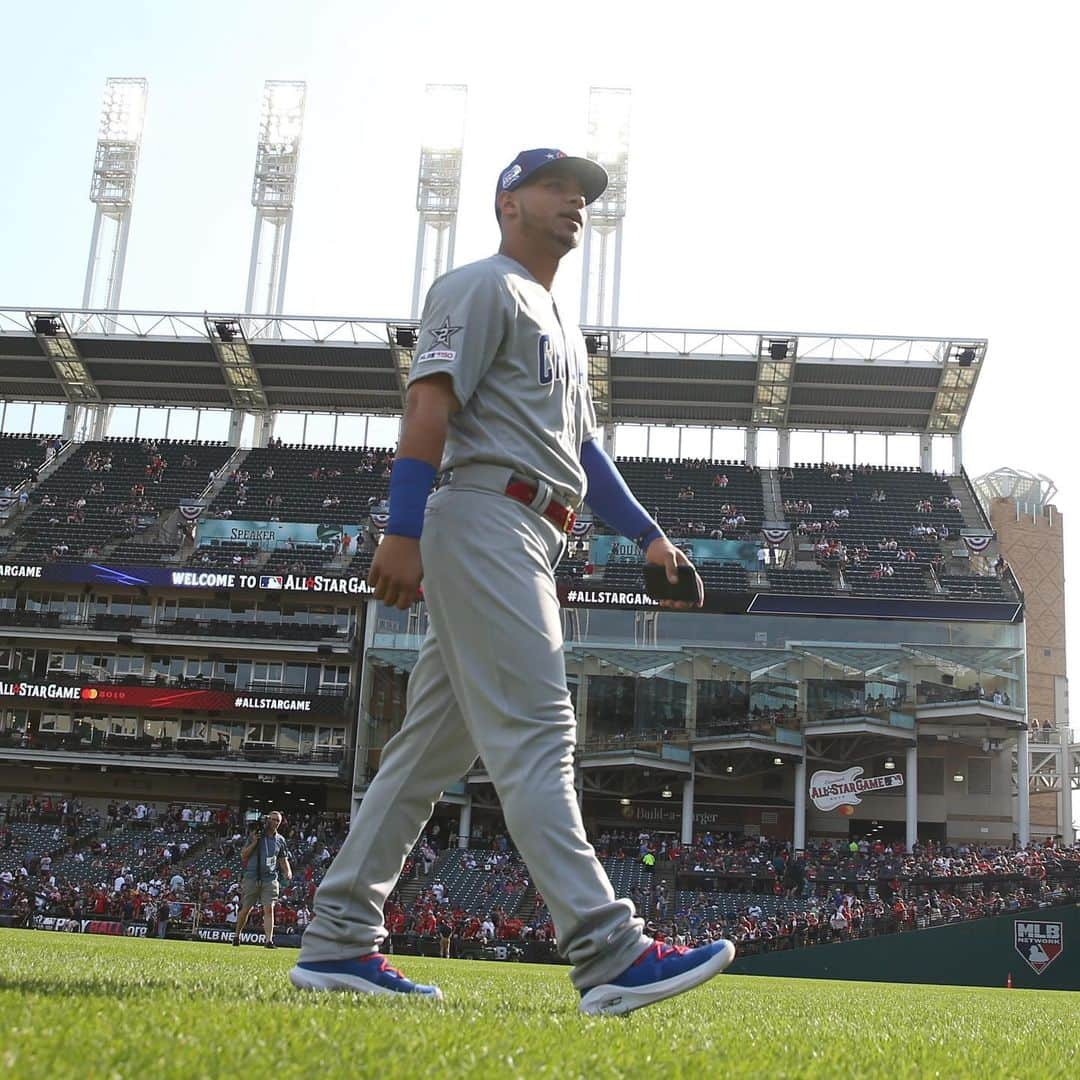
[1039, 943]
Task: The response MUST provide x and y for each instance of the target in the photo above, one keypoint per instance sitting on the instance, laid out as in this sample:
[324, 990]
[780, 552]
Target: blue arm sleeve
[612, 501]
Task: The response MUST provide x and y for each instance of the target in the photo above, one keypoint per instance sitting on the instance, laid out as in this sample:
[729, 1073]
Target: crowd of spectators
[140, 862]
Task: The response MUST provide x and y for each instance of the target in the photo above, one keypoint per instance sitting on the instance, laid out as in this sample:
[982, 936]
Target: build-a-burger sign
[828, 790]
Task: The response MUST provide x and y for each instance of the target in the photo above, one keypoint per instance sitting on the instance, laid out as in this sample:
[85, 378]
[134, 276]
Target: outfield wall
[984, 952]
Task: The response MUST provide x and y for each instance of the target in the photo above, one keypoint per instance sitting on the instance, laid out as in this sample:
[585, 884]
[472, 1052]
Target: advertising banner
[697, 549]
[1039, 943]
[828, 790]
[163, 577]
[272, 534]
[108, 695]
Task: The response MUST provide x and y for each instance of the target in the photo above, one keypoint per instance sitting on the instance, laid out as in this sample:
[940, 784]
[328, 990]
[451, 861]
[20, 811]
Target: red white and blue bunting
[380, 520]
[978, 544]
[191, 511]
[581, 528]
[776, 537]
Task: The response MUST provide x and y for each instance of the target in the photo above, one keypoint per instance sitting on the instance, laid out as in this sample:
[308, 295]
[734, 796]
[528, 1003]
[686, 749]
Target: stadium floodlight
[889, 763]
[112, 189]
[960, 362]
[624, 802]
[666, 793]
[775, 373]
[55, 341]
[273, 193]
[607, 142]
[438, 183]
[958, 778]
[237, 364]
[778, 761]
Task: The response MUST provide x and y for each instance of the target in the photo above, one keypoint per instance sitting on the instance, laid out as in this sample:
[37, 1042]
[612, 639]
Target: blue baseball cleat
[368, 975]
[662, 971]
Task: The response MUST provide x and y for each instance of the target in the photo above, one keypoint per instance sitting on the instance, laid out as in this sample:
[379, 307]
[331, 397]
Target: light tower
[438, 184]
[112, 189]
[609, 144]
[272, 193]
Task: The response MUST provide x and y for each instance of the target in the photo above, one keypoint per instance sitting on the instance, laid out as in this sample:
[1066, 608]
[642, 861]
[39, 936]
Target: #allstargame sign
[1039, 943]
[828, 790]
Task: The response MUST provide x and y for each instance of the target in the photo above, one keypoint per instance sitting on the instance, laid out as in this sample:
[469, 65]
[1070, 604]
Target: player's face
[551, 210]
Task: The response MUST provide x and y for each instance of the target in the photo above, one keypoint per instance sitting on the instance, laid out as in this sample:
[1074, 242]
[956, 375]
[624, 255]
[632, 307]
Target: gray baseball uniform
[490, 678]
[519, 371]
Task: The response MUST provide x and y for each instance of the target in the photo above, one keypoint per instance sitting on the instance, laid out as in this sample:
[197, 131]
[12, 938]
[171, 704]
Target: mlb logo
[1039, 943]
[271, 581]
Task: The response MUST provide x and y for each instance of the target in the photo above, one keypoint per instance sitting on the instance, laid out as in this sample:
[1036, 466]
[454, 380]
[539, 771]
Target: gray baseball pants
[490, 680]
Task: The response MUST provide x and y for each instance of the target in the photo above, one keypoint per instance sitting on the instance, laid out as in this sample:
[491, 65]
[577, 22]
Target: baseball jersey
[519, 371]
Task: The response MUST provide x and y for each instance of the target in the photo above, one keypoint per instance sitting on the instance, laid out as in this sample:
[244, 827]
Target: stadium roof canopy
[706, 377]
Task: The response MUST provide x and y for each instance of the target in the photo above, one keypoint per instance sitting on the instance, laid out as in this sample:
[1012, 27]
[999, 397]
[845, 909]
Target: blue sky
[843, 167]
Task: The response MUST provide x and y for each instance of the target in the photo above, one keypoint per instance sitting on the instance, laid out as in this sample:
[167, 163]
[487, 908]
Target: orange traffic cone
[1008, 982]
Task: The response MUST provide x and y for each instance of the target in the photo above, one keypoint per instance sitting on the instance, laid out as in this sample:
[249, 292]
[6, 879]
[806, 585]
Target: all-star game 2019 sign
[828, 790]
[1039, 943]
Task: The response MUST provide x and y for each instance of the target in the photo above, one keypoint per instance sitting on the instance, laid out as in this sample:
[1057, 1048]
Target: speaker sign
[828, 790]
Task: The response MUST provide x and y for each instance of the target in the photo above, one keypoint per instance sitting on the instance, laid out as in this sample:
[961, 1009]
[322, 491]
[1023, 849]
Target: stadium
[851, 761]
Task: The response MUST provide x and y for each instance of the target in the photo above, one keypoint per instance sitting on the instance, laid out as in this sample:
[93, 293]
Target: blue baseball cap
[590, 174]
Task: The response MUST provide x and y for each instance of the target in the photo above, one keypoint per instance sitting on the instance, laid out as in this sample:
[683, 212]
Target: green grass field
[87, 1007]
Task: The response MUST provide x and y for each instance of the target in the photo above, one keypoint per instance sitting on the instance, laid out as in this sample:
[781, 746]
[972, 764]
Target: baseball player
[498, 397]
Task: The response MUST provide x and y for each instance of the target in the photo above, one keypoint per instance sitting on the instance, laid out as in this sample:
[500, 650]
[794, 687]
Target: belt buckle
[568, 521]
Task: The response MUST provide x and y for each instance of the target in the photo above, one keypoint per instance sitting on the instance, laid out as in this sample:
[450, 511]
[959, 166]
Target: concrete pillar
[464, 828]
[609, 438]
[687, 834]
[926, 453]
[264, 423]
[784, 448]
[236, 427]
[1023, 789]
[581, 705]
[799, 832]
[70, 414]
[911, 797]
[750, 446]
[957, 453]
[690, 718]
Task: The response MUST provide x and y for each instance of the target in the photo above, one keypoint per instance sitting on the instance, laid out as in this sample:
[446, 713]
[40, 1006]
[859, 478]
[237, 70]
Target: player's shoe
[662, 971]
[369, 975]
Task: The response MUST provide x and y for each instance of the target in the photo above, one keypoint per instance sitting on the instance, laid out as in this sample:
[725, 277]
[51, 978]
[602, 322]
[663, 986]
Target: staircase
[774, 500]
[409, 890]
[974, 515]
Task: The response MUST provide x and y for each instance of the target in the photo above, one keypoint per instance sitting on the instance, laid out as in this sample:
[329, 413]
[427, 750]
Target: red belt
[525, 492]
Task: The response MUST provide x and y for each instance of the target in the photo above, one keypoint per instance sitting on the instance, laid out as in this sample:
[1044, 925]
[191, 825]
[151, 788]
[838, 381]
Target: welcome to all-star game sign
[828, 790]
[1039, 943]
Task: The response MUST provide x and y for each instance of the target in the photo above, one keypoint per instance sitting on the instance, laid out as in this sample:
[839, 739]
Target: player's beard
[557, 243]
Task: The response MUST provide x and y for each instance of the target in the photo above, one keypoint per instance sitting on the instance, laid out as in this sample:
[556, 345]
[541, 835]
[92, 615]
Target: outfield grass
[115, 1007]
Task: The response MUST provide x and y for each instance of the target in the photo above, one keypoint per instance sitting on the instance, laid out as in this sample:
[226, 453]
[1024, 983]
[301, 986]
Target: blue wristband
[410, 484]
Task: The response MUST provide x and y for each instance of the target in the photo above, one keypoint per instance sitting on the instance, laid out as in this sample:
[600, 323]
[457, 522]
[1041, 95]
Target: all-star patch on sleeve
[463, 325]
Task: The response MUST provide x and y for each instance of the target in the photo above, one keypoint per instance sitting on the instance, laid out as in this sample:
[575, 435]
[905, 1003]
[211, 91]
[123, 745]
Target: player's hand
[396, 571]
[662, 552]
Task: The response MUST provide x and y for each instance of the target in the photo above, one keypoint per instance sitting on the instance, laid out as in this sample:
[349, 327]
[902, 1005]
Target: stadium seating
[481, 890]
[108, 475]
[22, 455]
[301, 479]
[657, 483]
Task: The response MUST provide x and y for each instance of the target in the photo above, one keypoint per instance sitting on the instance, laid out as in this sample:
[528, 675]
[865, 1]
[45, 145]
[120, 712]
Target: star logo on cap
[441, 335]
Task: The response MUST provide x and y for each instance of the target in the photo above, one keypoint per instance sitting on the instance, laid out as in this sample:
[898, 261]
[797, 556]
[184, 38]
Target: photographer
[264, 856]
